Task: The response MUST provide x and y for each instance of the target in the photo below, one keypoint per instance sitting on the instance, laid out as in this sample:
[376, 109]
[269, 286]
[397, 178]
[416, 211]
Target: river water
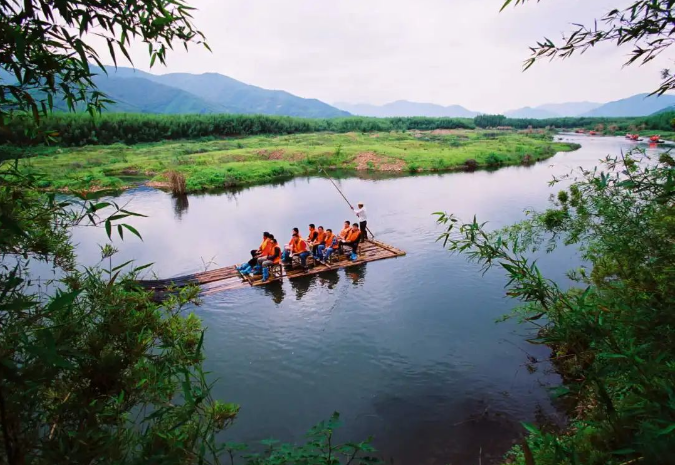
[407, 350]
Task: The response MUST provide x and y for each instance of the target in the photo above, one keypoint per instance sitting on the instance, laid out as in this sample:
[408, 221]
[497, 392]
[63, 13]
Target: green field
[218, 163]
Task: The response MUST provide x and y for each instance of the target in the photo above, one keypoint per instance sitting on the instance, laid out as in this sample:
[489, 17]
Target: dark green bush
[493, 160]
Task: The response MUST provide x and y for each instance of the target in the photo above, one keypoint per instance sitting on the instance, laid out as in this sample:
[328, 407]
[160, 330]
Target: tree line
[73, 129]
[657, 122]
[78, 129]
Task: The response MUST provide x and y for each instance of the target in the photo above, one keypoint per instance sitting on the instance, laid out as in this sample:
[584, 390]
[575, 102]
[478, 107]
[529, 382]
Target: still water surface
[407, 350]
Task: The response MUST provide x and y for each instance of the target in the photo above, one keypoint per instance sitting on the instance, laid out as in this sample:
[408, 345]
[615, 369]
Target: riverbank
[229, 162]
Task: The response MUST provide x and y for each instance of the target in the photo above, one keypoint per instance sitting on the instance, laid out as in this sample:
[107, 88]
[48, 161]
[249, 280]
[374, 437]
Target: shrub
[176, 182]
[471, 164]
[493, 160]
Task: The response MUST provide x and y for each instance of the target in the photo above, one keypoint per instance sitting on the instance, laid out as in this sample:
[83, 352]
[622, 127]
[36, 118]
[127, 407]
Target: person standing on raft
[363, 220]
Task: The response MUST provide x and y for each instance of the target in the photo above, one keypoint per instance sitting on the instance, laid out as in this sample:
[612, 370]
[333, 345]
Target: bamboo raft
[229, 278]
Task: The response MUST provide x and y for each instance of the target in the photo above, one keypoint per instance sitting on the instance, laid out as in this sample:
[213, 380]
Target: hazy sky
[375, 51]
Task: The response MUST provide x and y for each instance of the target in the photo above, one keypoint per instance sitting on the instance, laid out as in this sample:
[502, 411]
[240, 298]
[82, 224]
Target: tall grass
[176, 182]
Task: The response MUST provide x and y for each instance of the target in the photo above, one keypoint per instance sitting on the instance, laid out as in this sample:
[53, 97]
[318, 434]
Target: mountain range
[207, 93]
[636, 105]
[405, 108]
[554, 110]
[137, 91]
[140, 92]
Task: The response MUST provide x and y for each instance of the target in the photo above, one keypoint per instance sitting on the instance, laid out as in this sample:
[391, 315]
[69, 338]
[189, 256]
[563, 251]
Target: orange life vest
[276, 259]
[312, 234]
[345, 232]
[263, 245]
[321, 236]
[353, 235]
[268, 249]
[328, 239]
[299, 245]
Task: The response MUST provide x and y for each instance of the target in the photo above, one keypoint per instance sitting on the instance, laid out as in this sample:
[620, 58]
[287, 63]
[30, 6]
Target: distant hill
[406, 108]
[637, 105]
[238, 97]
[140, 92]
[138, 95]
[569, 108]
[553, 110]
[529, 112]
[665, 110]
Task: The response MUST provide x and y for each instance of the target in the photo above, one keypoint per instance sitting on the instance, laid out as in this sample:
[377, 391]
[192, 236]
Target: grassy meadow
[212, 163]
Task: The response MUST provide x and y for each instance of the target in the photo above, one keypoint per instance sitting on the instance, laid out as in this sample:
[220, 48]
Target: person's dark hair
[347, 222]
[355, 224]
[254, 253]
[311, 225]
[274, 240]
[271, 236]
[320, 227]
[329, 230]
[296, 230]
[266, 234]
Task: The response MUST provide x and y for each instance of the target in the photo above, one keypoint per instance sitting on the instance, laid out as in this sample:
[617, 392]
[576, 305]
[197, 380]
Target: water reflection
[275, 290]
[302, 285]
[180, 205]
[330, 279]
[356, 273]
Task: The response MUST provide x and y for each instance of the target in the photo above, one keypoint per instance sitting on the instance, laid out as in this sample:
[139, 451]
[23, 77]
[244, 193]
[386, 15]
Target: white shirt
[361, 213]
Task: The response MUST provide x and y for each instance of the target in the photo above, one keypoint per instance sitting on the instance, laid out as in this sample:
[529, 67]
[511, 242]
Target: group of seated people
[320, 243]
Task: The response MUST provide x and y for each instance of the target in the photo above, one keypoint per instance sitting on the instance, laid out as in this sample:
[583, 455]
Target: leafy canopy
[47, 46]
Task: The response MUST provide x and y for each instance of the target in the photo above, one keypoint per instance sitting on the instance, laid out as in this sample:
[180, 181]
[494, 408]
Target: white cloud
[443, 51]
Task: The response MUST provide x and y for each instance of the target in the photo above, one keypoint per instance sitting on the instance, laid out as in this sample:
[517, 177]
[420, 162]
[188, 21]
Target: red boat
[580, 131]
[633, 137]
[656, 139]
[592, 133]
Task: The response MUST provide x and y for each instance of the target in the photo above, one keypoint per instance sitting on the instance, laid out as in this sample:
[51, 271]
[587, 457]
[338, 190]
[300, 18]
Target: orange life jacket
[312, 235]
[328, 239]
[353, 235]
[345, 232]
[299, 245]
[263, 245]
[269, 249]
[321, 236]
[276, 259]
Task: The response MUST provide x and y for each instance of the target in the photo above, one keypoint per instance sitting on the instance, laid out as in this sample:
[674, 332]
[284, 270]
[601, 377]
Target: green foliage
[612, 336]
[659, 122]
[493, 121]
[46, 47]
[110, 128]
[489, 121]
[494, 160]
[320, 449]
[217, 163]
[94, 371]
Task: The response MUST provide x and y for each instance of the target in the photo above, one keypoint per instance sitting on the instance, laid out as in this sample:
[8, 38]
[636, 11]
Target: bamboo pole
[346, 200]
